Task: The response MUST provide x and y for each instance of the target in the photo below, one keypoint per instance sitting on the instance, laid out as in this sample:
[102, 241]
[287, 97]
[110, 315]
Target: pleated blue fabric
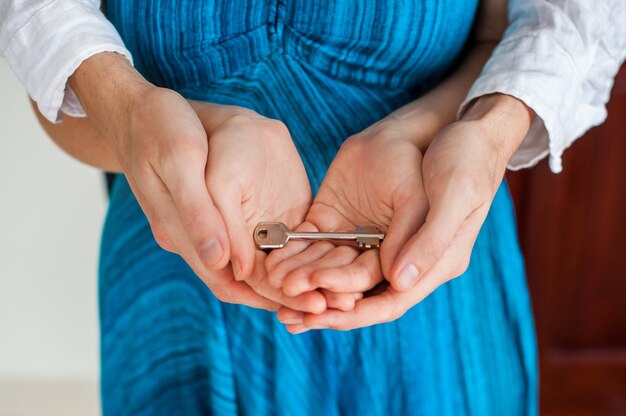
[327, 69]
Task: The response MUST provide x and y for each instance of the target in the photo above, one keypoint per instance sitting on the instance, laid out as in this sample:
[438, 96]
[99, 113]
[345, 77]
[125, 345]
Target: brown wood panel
[573, 234]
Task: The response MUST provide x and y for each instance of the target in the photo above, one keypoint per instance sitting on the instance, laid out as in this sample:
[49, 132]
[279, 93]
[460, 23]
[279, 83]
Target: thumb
[406, 220]
[447, 213]
[242, 249]
[199, 216]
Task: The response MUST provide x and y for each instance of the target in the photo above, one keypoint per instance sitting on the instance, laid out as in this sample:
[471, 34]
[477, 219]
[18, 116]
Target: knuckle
[433, 247]
[394, 312]
[389, 315]
[196, 222]
[358, 274]
[181, 153]
[342, 326]
[354, 142]
[141, 170]
[468, 186]
[242, 118]
[223, 294]
[222, 187]
[461, 267]
[345, 251]
[162, 239]
[324, 245]
[384, 135]
[255, 281]
[275, 128]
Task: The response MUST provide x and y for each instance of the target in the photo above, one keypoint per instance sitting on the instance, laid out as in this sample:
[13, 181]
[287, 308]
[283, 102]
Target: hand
[162, 148]
[462, 170]
[254, 174]
[374, 179]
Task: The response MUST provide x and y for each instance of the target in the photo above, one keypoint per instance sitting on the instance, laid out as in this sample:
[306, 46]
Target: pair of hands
[431, 208]
[207, 174]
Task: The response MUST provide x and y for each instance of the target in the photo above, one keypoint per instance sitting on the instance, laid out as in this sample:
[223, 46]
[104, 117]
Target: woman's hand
[375, 179]
[462, 170]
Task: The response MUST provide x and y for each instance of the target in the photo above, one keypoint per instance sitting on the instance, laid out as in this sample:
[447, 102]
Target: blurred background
[572, 230]
[51, 212]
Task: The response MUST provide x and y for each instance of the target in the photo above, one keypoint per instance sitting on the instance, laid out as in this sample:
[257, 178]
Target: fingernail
[358, 296]
[300, 330]
[236, 268]
[407, 277]
[212, 252]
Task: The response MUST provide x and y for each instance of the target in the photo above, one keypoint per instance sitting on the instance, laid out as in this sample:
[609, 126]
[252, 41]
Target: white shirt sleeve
[45, 41]
[560, 58]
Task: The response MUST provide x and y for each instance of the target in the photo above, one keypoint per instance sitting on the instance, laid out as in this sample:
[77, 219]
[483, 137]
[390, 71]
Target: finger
[294, 247]
[242, 249]
[407, 218]
[299, 280]
[220, 282]
[225, 288]
[313, 301]
[310, 254]
[447, 213]
[200, 218]
[391, 304]
[289, 316]
[341, 301]
[359, 276]
[297, 329]
[292, 320]
[162, 222]
[385, 307]
[368, 311]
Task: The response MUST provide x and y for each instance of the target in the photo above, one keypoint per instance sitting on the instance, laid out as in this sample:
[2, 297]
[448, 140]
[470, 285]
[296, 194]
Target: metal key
[276, 235]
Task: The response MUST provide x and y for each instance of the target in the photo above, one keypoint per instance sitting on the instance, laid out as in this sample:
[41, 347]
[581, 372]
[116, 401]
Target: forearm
[78, 138]
[438, 108]
[107, 87]
[505, 122]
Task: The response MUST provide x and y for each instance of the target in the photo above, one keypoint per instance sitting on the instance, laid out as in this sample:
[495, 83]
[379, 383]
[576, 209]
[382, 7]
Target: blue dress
[327, 69]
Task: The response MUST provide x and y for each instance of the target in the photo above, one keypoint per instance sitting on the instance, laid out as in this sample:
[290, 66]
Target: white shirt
[44, 41]
[558, 56]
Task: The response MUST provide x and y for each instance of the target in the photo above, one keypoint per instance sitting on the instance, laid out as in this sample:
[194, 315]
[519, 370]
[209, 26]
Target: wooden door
[573, 233]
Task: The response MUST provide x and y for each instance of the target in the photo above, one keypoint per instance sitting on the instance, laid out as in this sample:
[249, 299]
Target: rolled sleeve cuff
[518, 68]
[51, 46]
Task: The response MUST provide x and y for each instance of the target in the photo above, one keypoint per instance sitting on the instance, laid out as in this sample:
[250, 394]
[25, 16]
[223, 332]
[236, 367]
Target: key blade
[271, 235]
[369, 237]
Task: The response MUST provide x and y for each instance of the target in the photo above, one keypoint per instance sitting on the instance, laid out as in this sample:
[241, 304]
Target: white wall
[51, 213]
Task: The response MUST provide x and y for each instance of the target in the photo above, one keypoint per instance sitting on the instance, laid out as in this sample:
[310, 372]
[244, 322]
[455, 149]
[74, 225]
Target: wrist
[414, 122]
[503, 119]
[108, 88]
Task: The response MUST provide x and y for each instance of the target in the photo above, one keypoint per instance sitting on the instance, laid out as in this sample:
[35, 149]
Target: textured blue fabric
[327, 69]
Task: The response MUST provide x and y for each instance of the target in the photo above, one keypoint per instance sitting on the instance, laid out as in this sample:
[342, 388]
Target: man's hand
[375, 179]
[162, 148]
[462, 170]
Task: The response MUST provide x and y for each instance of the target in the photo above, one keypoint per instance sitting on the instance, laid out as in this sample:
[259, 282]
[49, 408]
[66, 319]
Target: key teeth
[365, 244]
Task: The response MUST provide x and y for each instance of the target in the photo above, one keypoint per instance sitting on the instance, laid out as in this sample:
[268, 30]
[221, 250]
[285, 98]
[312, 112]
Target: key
[276, 235]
